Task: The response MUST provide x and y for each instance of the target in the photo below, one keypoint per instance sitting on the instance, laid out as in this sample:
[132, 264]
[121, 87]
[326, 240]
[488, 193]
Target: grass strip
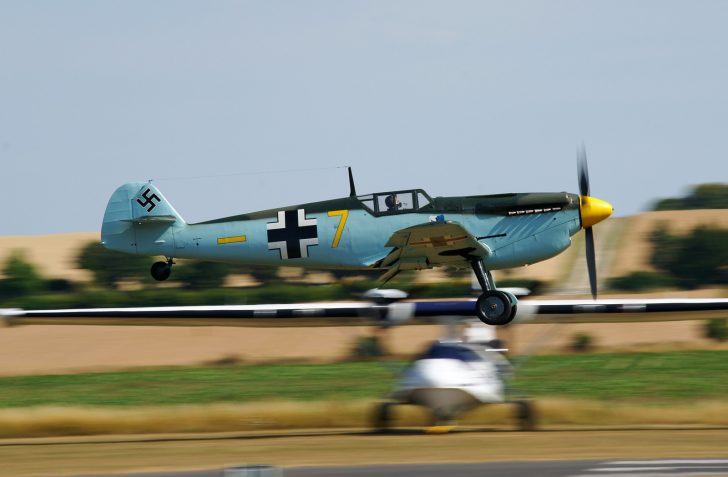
[201, 385]
[635, 377]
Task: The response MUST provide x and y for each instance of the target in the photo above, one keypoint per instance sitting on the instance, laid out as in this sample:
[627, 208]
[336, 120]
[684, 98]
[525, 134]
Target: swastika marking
[149, 200]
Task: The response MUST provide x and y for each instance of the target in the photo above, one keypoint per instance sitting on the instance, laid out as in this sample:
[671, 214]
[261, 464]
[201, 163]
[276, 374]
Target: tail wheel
[494, 308]
[161, 271]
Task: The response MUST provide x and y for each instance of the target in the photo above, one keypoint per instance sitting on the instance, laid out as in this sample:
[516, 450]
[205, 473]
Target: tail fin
[136, 213]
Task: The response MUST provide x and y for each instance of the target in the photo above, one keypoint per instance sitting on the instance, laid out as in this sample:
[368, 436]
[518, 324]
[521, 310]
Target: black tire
[514, 305]
[382, 417]
[514, 309]
[161, 271]
[525, 416]
[440, 418]
[494, 308]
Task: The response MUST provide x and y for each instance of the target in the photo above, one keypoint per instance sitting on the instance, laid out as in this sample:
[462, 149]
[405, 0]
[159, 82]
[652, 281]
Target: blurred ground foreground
[68, 349]
[24, 457]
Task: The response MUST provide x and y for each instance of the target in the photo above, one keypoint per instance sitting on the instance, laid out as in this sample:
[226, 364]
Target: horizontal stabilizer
[153, 219]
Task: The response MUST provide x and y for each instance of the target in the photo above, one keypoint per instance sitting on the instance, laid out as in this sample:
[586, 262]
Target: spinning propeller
[592, 211]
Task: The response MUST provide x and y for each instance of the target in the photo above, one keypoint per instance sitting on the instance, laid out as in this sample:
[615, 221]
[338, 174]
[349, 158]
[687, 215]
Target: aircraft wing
[426, 245]
[586, 310]
[363, 313]
[296, 314]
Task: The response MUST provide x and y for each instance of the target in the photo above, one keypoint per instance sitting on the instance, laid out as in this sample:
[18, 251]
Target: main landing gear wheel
[161, 270]
[494, 307]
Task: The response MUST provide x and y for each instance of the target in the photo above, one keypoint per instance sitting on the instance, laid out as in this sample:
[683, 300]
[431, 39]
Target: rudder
[137, 218]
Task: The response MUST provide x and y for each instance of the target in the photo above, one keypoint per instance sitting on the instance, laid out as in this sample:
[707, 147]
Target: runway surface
[312, 453]
[564, 468]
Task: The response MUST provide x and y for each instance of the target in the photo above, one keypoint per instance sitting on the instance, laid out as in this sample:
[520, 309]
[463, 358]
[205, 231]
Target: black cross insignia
[149, 200]
[292, 234]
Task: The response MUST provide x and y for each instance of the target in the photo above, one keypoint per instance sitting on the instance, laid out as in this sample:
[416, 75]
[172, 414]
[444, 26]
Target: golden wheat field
[552, 413]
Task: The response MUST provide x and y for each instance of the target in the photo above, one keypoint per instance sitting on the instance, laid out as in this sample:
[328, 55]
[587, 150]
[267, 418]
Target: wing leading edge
[361, 313]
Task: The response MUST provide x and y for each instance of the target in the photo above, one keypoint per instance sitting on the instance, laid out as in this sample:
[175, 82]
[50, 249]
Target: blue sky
[457, 97]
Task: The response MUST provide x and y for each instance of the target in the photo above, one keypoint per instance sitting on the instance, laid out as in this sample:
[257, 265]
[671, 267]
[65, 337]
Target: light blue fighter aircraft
[390, 231]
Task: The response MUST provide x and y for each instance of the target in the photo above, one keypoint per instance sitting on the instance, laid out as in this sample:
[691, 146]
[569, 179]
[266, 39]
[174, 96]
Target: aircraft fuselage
[352, 232]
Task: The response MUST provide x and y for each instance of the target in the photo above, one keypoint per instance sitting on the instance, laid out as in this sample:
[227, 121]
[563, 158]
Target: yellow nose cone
[594, 210]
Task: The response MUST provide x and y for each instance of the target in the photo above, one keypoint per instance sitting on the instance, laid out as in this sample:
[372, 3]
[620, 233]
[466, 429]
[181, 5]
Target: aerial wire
[248, 173]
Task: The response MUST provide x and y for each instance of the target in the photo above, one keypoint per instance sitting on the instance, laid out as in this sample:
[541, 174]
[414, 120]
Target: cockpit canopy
[395, 202]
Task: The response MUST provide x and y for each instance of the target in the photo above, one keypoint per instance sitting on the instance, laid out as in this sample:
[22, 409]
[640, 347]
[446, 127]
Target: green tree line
[704, 196]
[696, 259]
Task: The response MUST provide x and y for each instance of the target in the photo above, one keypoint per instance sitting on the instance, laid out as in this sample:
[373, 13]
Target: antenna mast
[352, 189]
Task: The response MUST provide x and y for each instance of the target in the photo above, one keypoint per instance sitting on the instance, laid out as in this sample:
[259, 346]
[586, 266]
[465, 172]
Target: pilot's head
[392, 202]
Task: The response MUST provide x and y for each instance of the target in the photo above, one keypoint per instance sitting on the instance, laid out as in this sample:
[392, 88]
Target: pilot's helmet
[391, 201]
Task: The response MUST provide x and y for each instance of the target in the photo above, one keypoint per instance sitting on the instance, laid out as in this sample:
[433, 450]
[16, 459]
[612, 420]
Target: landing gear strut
[493, 307]
[161, 270]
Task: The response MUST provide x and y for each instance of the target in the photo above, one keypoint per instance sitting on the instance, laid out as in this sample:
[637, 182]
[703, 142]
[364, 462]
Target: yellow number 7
[344, 214]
